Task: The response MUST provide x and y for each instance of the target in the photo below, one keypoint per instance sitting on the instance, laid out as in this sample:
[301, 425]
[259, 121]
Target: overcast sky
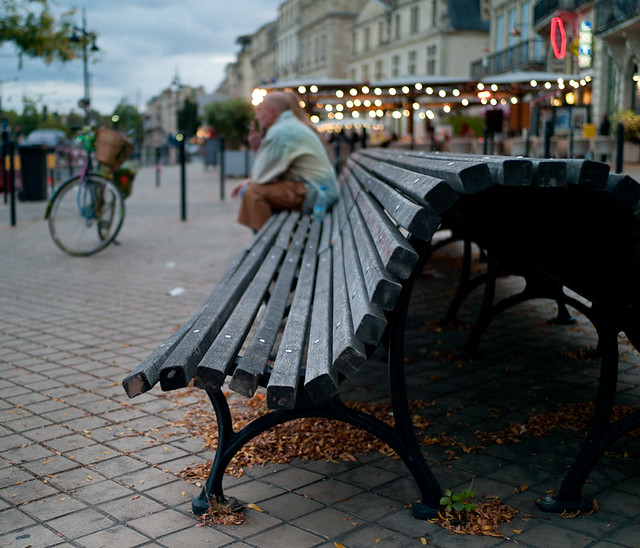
[143, 43]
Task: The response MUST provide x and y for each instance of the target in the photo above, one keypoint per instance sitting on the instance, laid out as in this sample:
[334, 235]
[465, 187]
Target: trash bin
[33, 159]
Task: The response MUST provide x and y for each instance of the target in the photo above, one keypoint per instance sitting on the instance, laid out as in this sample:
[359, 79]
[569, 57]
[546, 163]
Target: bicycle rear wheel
[86, 215]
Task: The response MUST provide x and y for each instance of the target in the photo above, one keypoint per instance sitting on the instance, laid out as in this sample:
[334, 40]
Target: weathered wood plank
[250, 370]
[431, 192]
[395, 252]
[282, 388]
[348, 352]
[414, 217]
[369, 321]
[624, 190]
[587, 173]
[321, 379]
[462, 177]
[383, 287]
[179, 367]
[505, 170]
[144, 377]
[217, 361]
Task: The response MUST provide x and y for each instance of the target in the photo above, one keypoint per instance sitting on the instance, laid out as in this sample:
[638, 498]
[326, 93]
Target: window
[367, 38]
[432, 52]
[395, 65]
[381, 37]
[415, 20]
[499, 33]
[379, 70]
[365, 72]
[434, 13]
[397, 26]
[514, 30]
[411, 68]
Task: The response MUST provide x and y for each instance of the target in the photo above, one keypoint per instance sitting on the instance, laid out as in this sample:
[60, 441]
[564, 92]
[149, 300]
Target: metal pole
[183, 181]
[158, 167]
[620, 149]
[12, 182]
[548, 128]
[222, 169]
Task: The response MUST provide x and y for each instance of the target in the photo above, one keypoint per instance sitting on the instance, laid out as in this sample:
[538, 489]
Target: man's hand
[237, 190]
[254, 138]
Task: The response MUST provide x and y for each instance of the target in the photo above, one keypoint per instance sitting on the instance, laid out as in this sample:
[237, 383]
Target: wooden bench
[304, 305]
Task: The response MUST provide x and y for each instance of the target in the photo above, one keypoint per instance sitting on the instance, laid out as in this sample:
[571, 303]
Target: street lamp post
[84, 38]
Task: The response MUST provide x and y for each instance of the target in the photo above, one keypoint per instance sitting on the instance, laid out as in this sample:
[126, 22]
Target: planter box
[237, 163]
[631, 153]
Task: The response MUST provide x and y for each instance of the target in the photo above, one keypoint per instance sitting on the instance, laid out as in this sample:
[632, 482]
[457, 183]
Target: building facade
[404, 38]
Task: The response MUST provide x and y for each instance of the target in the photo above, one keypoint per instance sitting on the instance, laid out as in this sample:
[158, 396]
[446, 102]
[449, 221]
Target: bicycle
[86, 212]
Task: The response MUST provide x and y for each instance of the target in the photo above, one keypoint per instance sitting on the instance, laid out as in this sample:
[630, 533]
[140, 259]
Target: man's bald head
[273, 105]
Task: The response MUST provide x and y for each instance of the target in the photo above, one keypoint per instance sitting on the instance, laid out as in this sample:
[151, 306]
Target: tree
[231, 119]
[33, 29]
[130, 121]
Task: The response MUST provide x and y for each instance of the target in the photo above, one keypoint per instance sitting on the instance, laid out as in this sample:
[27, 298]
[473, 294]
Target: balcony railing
[527, 55]
[546, 8]
[611, 13]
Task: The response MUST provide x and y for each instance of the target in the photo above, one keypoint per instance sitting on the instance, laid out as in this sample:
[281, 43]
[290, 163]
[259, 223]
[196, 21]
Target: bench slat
[321, 379]
[462, 177]
[180, 366]
[505, 170]
[348, 352]
[395, 252]
[369, 321]
[434, 193]
[325, 238]
[416, 218]
[624, 190]
[251, 368]
[587, 173]
[282, 388]
[216, 363]
[383, 288]
[147, 374]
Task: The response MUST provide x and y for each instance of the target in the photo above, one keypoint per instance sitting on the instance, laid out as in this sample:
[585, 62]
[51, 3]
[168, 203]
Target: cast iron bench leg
[600, 434]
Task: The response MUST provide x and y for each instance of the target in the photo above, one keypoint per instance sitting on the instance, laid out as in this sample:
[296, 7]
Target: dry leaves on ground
[568, 416]
[485, 519]
[221, 514]
[306, 439]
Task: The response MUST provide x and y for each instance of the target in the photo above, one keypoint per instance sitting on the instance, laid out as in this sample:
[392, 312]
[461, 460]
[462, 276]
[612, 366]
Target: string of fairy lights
[375, 102]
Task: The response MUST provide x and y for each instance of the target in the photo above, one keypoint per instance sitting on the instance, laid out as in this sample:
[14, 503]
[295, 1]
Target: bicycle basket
[112, 148]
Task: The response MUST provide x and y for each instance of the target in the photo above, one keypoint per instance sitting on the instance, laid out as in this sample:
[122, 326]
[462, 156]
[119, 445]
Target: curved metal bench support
[400, 437]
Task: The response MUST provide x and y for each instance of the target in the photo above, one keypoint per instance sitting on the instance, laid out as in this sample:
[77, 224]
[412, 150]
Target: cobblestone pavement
[82, 465]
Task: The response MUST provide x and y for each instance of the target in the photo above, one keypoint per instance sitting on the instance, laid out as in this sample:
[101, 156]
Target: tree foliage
[34, 30]
[130, 121]
[231, 119]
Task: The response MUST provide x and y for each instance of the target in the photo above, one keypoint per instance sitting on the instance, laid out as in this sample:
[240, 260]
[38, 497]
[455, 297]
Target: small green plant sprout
[462, 502]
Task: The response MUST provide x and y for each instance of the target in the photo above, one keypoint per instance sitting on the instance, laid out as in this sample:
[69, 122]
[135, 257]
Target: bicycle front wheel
[86, 215]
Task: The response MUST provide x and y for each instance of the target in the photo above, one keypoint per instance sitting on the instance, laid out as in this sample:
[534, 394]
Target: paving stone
[327, 523]
[54, 506]
[13, 519]
[162, 523]
[197, 536]
[36, 536]
[287, 535]
[118, 535]
[289, 506]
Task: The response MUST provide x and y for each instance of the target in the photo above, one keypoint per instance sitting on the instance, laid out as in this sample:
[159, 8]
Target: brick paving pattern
[82, 465]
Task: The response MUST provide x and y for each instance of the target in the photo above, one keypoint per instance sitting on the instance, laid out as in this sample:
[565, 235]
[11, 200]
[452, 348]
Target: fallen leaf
[254, 507]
